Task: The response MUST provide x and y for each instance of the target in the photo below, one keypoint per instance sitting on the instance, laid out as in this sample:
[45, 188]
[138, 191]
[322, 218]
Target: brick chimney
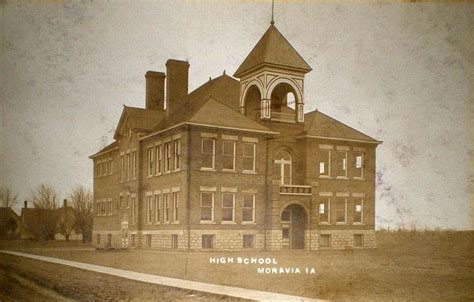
[26, 204]
[176, 84]
[155, 90]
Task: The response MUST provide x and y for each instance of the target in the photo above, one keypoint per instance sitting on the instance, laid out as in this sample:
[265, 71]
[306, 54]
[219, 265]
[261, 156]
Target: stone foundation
[232, 240]
[226, 240]
[274, 240]
[345, 239]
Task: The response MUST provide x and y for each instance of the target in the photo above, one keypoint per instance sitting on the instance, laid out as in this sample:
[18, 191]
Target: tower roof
[273, 49]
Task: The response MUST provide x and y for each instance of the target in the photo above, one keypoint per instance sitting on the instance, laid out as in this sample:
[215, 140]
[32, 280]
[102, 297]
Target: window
[174, 241]
[109, 167]
[325, 163]
[176, 153]
[110, 206]
[134, 165]
[149, 210]
[324, 209]
[98, 238]
[97, 169]
[359, 165]
[167, 157]
[282, 170]
[175, 207]
[248, 241]
[358, 210]
[228, 207]
[148, 240]
[228, 154]
[157, 208]
[208, 149]
[325, 240]
[248, 208]
[102, 207]
[128, 168]
[286, 216]
[122, 167]
[358, 240]
[166, 205]
[341, 164]
[249, 157]
[207, 241]
[134, 210]
[133, 240]
[285, 233]
[151, 161]
[207, 206]
[341, 207]
[159, 159]
[121, 202]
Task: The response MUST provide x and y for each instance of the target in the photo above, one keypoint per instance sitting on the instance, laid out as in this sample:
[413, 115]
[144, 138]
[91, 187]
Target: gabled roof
[273, 49]
[225, 89]
[212, 113]
[139, 119]
[318, 124]
[6, 213]
[215, 103]
[106, 149]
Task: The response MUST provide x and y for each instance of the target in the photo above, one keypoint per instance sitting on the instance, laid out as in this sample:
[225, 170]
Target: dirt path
[52, 281]
[11, 289]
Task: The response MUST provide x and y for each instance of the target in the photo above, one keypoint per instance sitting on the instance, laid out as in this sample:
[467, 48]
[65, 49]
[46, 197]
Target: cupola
[272, 80]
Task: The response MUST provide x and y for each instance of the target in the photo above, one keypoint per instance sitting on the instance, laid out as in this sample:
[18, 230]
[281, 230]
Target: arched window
[283, 167]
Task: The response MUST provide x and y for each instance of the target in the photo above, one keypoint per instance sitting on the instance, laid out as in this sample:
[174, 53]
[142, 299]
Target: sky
[399, 72]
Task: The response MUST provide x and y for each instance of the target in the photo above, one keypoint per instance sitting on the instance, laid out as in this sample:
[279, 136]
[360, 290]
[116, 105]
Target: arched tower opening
[252, 102]
[283, 98]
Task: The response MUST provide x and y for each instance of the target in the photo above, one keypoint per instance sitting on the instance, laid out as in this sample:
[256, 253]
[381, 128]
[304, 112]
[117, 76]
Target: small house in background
[47, 224]
[237, 164]
[9, 223]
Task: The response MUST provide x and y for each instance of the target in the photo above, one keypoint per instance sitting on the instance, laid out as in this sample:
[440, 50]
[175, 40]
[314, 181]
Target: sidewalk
[173, 282]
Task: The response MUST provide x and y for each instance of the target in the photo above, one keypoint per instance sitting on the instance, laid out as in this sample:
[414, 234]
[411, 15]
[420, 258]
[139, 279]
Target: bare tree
[7, 198]
[82, 204]
[41, 222]
[67, 221]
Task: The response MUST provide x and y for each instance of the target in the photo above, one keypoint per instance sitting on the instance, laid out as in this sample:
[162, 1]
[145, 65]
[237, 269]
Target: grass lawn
[414, 266]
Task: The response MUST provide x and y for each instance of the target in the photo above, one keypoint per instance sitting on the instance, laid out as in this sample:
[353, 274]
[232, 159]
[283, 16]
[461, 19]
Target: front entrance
[293, 223]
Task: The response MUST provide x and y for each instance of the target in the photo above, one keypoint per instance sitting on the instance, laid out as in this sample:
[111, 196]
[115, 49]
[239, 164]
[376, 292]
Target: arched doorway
[293, 222]
[283, 167]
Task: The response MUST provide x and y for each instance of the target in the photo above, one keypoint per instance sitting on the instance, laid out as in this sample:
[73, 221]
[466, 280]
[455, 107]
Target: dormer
[272, 80]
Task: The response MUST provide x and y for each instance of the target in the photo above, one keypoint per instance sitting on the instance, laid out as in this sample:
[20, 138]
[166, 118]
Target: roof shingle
[322, 125]
[273, 49]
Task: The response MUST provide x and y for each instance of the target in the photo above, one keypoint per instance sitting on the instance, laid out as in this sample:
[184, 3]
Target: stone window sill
[249, 172]
[207, 222]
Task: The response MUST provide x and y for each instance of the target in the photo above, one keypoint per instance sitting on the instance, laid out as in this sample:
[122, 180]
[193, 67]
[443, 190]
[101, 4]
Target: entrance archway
[293, 222]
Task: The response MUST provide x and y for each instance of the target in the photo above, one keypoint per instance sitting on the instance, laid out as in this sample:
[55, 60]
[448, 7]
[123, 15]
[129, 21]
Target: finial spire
[273, 6]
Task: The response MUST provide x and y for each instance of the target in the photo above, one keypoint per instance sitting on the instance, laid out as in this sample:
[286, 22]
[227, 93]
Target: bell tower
[272, 80]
